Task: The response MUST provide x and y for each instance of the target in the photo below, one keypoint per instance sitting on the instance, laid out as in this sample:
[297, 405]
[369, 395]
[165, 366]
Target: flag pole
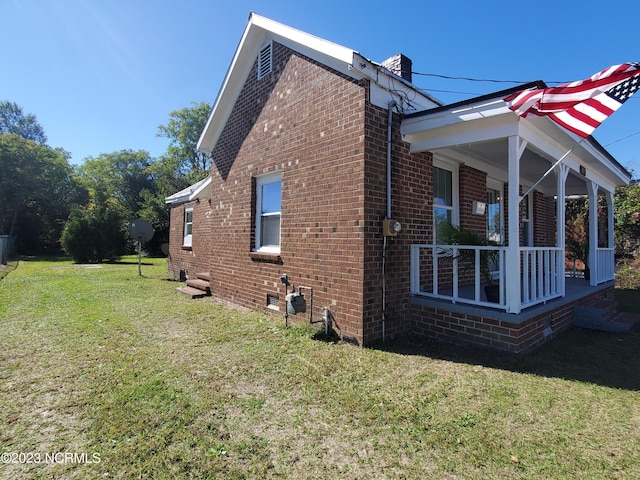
[551, 168]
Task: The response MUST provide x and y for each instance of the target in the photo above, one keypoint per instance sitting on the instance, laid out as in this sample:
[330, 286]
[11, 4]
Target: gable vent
[265, 60]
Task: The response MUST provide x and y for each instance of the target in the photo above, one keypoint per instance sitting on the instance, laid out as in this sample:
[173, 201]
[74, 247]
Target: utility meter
[390, 228]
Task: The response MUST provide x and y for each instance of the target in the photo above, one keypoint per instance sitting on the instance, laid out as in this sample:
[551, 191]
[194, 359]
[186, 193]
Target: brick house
[315, 149]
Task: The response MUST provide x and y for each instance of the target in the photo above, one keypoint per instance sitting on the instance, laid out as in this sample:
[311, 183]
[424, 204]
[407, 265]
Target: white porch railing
[542, 274]
[605, 265]
[437, 271]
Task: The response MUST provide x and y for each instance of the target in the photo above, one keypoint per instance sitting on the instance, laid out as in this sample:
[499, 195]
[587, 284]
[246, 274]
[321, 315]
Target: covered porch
[523, 206]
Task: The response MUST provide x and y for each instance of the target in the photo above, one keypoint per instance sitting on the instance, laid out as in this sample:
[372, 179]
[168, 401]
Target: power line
[623, 138]
[470, 79]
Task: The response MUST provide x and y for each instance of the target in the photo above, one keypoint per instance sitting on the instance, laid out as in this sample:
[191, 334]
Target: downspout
[391, 105]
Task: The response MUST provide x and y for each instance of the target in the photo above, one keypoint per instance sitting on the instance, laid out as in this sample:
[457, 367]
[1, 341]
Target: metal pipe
[384, 245]
[310, 301]
[325, 318]
[389, 124]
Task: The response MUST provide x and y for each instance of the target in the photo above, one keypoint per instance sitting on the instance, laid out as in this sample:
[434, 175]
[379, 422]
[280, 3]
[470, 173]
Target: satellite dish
[141, 230]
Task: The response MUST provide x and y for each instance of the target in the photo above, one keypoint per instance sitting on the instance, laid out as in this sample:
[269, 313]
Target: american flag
[583, 105]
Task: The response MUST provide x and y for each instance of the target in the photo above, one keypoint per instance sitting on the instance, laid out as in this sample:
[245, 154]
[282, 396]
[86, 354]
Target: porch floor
[575, 288]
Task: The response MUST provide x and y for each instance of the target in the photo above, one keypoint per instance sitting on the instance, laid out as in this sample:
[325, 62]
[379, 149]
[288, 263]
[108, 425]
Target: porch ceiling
[477, 134]
[492, 157]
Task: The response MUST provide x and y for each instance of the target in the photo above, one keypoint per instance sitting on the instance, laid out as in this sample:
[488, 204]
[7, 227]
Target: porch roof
[476, 131]
[201, 189]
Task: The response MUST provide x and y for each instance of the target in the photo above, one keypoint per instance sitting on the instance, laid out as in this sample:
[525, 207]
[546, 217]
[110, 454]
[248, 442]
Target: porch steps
[197, 287]
[601, 317]
[199, 284]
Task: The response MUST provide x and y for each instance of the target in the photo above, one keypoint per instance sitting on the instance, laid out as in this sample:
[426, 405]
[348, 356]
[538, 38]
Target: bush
[94, 234]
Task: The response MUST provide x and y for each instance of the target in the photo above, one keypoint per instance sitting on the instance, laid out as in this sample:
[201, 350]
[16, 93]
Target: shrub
[94, 234]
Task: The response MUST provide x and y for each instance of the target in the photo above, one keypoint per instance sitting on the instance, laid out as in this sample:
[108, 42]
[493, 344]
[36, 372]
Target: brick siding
[306, 122]
[188, 261]
[317, 128]
[487, 332]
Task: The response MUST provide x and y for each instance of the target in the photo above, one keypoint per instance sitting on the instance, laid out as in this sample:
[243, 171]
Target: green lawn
[140, 382]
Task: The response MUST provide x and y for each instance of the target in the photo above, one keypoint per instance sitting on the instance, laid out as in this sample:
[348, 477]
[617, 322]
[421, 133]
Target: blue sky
[101, 75]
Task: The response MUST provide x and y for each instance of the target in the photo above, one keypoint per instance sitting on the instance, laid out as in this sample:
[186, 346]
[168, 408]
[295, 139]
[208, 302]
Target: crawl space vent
[273, 301]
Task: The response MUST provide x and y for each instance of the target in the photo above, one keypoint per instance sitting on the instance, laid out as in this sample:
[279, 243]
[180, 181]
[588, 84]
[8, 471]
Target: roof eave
[257, 31]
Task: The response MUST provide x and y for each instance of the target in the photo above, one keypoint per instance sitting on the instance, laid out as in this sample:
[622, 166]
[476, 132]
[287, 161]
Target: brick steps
[601, 317]
[192, 292]
[199, 284]
[197, 287]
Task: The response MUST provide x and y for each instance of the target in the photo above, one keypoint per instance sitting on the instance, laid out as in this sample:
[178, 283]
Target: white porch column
[512, 255]
[592, 188]
[561, 181]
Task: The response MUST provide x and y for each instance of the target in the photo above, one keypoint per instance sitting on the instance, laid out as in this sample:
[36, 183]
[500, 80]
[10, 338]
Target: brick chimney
[400, 65]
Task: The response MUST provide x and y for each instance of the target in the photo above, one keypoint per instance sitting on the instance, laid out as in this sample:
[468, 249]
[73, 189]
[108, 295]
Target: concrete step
[602, 318]
[200, 285]
[204, 276]
[192, 292]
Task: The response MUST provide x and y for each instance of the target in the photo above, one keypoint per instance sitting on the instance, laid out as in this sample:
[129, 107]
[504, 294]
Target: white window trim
[528, 242]
[455, 209]
[187, 239]
[260, 181]
[498, 185]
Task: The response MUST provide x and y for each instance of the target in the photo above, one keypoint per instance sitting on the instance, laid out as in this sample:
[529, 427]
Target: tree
[13, 120]
[183, 129]
[181, 165]
[626, 208]
[626, 203]
[95, 233]
[37, 192]
[121, 176]
[119, 183]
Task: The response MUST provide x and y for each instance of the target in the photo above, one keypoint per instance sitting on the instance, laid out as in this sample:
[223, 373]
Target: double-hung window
[526, 225]
[188, 227]
[268, 200]
[445, 196]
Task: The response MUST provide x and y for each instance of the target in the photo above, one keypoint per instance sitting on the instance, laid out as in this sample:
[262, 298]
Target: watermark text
[35, 458]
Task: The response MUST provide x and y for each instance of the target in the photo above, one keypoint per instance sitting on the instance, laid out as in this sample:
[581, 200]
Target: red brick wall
[472, 186]
[468, 329]
[411, 205]
[544, 220]
[317, 128]
[194, 259]
[307, 122]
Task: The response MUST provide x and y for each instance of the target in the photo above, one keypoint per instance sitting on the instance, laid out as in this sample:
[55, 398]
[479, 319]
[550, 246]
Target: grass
[103, 362]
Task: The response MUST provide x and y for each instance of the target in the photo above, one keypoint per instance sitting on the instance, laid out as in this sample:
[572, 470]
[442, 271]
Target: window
[188, 226]
[268, 198]
[445, 196]
[495, 228]
[265, 60]
[526, 225]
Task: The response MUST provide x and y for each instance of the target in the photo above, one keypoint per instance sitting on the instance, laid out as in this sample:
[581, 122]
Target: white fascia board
[460, 133]
[302, 41]
[191, 192]
[387, 87]
[241, 64]
[201, 189]
[458, 115]
[621, 177]
[258, 30]
[599, 167]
